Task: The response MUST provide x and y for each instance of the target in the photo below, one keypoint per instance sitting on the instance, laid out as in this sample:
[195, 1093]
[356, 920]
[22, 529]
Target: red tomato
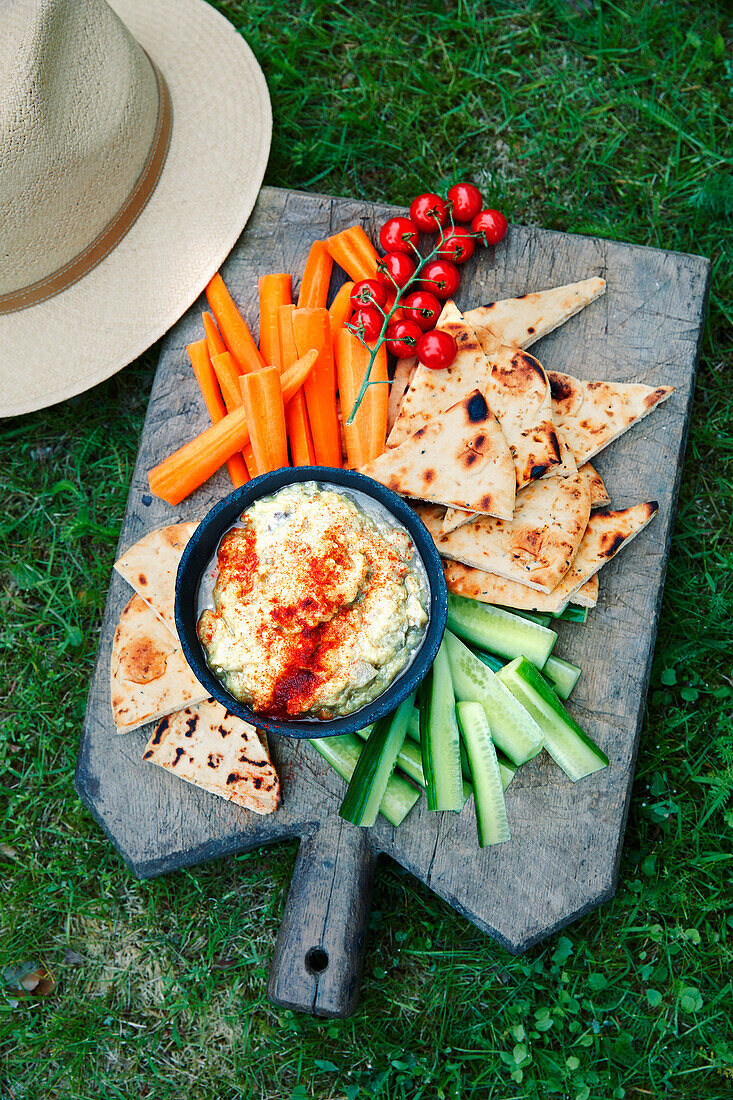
[422, 307]
[368, 321]
[395, 268]
[369, 292]
[440, 277]
[402, 338]
[465, 200]
[399, 235]
[491, 225]
[429, 212]
[436, 349]
[456, 244]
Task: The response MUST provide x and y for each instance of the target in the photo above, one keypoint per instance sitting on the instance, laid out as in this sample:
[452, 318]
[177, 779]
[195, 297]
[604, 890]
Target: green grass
[612, 121]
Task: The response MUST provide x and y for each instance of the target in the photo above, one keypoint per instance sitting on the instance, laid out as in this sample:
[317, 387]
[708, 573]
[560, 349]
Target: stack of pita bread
[151, 681]
[495, 451]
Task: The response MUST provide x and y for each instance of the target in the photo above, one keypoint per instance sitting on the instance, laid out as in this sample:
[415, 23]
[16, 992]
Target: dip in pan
[314, 603]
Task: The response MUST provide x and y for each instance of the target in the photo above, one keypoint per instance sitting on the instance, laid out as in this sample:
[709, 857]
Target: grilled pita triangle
[587, 594]
[521, 321]
[150, 567]
[599, 497]
[149, 674]
[605, 535]
[403, 375]
[459, 458]
[591, 415]
[213, 749]
[514, 384]
[535, 548]
[477, 584]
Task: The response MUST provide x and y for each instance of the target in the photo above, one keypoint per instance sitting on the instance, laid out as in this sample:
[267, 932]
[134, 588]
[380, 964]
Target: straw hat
[133, 143]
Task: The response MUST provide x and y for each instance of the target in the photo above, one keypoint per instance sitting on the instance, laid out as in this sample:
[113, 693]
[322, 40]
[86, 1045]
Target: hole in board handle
[316, 960]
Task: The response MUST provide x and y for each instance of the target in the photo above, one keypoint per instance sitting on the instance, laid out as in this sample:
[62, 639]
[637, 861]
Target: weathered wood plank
[566, 838]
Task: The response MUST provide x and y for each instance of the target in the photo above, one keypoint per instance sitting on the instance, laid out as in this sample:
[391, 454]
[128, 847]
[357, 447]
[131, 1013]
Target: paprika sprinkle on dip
[317, 605]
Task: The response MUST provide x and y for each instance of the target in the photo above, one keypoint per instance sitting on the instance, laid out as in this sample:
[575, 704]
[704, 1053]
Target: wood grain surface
[566, 838]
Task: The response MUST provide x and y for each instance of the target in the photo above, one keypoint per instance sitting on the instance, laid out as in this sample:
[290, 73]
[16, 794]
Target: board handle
[316, 965]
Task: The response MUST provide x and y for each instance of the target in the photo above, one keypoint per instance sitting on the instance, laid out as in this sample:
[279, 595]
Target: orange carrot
[213, 336]
[177, 476]
[228, 376]
[366, 435]
[354, 252]
[313, 330]
[198, 353]
[263, 403]
[316, 277]
[296, 412]
[340, 310]
[237, 336]
[275, 291]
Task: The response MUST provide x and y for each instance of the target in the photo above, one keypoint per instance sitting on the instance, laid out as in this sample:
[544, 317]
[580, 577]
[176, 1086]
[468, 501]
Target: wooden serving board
[563, 858]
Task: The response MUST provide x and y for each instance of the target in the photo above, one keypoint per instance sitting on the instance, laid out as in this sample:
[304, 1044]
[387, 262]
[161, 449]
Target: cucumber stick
[568, 745]
[499, 631]
[410, 759]
[488, 792]
[571, 614]
[562, 675]
[542, 618]
[514, 730]
[375, 765]
[343, 752]
[439, 737]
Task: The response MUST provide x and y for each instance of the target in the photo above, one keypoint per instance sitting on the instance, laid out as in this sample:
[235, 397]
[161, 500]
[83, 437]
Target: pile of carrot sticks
[278, 404]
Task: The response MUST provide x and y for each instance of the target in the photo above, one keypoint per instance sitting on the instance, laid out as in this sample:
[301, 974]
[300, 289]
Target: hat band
[116, 229]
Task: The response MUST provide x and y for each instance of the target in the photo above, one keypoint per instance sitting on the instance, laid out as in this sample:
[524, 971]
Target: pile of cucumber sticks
[491, 701]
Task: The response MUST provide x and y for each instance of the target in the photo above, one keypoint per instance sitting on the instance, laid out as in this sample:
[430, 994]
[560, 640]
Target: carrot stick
[237, 336]
[178, 475]
[316, 277]
[340, 310]
[228, 377]
[275, 291]
[296, 412]
[213, 336]
[312, 329]
[263, 403]
[198, 353]
[365, 437]
[354, 252]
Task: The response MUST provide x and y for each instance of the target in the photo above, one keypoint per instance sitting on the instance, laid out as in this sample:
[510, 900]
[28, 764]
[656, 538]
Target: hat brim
[220, 142]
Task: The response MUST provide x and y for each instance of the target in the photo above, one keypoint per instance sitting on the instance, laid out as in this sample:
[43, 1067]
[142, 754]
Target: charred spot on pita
[191, 724]
[560, 390]
[179, 753]
[611, 542]
[530, 329]
[142, 579]
[428, 476]
[653, 397]
[486, 502]
[148, 754]
[160, 729]
[420, 432]
[214, 760]
[538, 470]
[477, 408]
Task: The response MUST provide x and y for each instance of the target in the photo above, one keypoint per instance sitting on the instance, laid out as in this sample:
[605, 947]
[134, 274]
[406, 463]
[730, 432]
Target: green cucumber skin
[494, 663]
[376, 763]
[571, 614]
[409, 759]
[563, 675]
[567, 743]
[488, 790]
[439, 738]
[342, 753]
[514, 730]
[506, 768]
[497, 631]
[542, 618]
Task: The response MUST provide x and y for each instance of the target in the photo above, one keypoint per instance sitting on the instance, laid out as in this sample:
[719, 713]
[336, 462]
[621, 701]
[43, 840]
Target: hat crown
[78, 113]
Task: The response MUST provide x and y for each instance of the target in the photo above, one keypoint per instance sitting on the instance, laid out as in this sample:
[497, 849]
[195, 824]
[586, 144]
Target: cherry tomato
[402, 338]
[436, 349]
[395, 268]
[369, 292]
[466, 201]
[422, 307]
[399, 235]
[491, 225]
[429, 212]
[456, 244]
[368, 321]
[440, 277]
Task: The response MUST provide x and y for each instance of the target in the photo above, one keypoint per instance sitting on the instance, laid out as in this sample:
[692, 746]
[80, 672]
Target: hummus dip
[317, 604]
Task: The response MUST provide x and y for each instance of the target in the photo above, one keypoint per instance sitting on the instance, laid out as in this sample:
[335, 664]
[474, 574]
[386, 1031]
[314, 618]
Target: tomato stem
[366, 381]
